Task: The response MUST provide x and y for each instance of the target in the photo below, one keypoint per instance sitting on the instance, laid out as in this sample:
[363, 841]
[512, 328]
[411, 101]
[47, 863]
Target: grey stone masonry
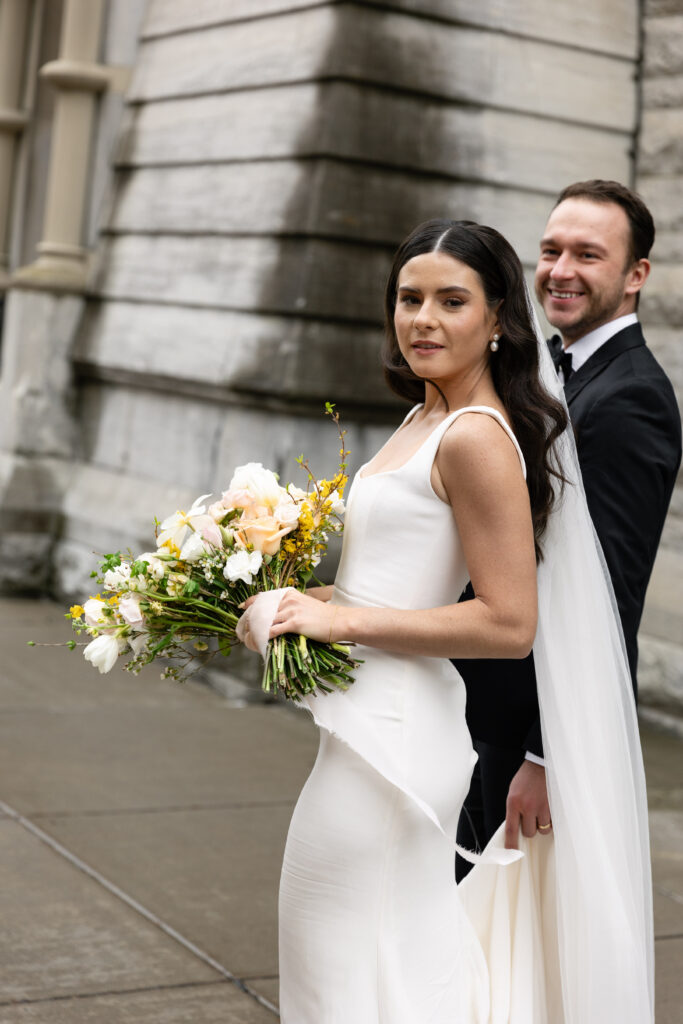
[660, 182]
[272, 154]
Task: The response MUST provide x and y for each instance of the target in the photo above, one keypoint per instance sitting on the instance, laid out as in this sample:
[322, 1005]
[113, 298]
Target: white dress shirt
[584, 348]
[581, 351]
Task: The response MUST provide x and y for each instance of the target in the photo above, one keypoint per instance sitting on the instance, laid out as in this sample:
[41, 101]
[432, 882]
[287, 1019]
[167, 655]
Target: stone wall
[660, 181]
[273, 154]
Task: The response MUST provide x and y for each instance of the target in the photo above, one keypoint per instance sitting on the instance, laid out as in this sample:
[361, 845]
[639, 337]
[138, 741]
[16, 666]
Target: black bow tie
[561, 358]
[565, 364]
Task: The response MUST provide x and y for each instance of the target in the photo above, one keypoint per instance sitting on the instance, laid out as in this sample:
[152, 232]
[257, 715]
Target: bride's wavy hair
[537, 417]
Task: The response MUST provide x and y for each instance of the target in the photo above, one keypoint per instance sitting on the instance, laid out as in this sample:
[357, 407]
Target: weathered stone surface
[662, 616]
[312, 277]
[663, 193]
[663, 92]
[664, 45]
[610, 26]
[661, 142]
[36, 393]
[233, 354]
[348, 121]
[657, 8]
[192, 449]
[177, 15]
[660, 674]
[667, 345]
[398, 50]
[328, 198]
[31, 490]
[662, 301]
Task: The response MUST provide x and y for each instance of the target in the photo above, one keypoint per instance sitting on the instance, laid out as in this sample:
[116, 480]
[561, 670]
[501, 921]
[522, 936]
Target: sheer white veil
[594, 766]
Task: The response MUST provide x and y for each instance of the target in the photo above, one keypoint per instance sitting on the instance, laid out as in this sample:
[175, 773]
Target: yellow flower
[75, 611]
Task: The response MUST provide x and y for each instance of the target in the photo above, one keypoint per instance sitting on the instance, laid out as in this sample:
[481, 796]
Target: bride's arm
[481, 476]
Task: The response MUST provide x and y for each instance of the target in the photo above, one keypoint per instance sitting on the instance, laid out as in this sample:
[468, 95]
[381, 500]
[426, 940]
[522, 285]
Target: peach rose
[264, 533]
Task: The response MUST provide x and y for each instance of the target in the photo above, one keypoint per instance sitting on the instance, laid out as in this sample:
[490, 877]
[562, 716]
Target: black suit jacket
[628, 436]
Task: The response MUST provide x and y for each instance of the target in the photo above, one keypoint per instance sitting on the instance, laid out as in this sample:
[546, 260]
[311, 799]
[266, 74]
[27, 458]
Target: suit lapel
[630, 337]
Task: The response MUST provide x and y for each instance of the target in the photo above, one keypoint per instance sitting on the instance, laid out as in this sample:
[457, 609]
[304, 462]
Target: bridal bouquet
[187, 595]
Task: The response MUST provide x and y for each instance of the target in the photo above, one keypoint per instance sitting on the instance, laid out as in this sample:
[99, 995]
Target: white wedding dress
[373, 929]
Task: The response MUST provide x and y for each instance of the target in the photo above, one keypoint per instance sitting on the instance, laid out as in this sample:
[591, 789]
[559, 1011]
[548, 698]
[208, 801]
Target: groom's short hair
[639, 217]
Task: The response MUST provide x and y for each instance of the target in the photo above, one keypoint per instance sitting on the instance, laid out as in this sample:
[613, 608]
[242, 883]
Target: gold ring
[544, 828]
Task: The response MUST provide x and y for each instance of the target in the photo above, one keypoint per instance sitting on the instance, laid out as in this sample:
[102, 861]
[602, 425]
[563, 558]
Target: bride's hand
[299, 613]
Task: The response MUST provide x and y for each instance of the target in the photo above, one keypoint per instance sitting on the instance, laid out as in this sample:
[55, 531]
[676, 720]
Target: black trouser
[484, 807]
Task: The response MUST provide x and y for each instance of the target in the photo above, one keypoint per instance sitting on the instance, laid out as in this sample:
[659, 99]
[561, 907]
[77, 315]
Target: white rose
[93, 611]
[102, 652]
[242, 566]
[115, 579]
[260, 482]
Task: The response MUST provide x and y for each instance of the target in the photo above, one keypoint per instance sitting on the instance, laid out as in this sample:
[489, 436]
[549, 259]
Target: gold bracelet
[334, 613]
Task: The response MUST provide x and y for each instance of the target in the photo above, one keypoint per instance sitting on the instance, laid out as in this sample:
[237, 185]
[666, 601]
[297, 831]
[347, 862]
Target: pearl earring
[494, 343]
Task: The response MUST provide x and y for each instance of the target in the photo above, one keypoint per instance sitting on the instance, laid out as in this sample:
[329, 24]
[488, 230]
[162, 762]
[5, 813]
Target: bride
[480, 482]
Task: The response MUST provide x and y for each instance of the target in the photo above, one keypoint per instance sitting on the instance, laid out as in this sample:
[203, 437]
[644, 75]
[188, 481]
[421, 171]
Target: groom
[593, 263]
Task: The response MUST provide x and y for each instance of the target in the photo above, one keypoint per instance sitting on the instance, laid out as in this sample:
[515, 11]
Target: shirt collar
[584, 348]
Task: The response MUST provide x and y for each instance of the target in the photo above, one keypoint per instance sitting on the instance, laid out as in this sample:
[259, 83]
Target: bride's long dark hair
[536, 417]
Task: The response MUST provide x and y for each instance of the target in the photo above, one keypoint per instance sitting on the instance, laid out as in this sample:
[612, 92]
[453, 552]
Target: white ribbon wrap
[253, 629]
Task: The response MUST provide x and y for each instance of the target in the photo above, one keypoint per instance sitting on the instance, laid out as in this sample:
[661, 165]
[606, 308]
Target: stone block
[665, 343]
[662, 301]
[321, 197]
[665, 91]
[658, 8]
[396, 50]
[233, 357]
[662, 193]
[660, 675]
[663, 54]
[31, 490]
[611, 26]
[349, 122]
[662, 615]
[312, 277]
[167, 16]
[669, 243]
[36, 388]
[661, 142]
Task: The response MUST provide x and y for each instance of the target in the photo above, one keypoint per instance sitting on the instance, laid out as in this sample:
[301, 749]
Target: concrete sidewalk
[142, 825]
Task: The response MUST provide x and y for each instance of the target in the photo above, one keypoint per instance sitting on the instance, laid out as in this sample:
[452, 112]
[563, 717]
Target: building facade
[198, 204]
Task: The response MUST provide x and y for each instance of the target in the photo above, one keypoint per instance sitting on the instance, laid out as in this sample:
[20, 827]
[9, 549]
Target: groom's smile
[584, 272]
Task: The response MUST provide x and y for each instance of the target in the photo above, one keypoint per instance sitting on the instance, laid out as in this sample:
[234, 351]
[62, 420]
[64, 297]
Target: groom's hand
[527, 804]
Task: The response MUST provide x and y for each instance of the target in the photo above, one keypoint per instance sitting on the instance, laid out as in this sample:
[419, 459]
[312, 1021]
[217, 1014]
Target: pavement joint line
[135, 905]
[67, 996]
[663, 938]
[172, 809]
